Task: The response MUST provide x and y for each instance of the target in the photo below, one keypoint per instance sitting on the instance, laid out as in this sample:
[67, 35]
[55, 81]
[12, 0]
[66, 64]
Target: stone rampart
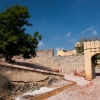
[45, 53]
[68, 64]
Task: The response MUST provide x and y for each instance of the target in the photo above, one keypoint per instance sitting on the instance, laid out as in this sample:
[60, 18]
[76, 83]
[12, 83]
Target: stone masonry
[68, 64]
[45, 53]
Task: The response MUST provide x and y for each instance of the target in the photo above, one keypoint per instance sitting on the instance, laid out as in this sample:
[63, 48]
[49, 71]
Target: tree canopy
[13, 37]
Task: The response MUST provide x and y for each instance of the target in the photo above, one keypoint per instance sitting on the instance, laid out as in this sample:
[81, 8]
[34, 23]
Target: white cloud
[72, 40]
[94, 32]
[59, 49]
[90, 30]
[68, 34]
[82, 32]
[41, 44]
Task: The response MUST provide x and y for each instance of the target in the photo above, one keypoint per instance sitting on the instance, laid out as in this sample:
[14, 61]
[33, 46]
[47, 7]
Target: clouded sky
[61, 22]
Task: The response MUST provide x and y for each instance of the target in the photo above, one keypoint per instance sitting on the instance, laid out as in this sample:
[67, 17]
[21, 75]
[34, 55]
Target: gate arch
[91, 48]
[94, 65]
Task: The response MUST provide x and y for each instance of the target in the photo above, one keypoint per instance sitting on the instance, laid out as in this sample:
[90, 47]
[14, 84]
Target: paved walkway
[84, 90]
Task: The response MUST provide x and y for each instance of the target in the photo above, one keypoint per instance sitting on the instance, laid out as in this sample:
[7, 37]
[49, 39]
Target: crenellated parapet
[92, 46]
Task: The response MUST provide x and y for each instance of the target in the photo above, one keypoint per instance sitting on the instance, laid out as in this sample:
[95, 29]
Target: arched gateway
[91, 48]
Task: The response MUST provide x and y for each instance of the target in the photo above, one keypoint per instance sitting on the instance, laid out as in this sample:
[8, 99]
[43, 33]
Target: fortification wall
[68, 63]
[45, 53]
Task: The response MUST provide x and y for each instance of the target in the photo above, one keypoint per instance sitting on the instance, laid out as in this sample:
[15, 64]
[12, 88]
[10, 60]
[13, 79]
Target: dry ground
[83, 90]
[90, 91]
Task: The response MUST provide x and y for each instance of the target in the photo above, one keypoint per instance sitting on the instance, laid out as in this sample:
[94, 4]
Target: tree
[80, 48]
[13, 37]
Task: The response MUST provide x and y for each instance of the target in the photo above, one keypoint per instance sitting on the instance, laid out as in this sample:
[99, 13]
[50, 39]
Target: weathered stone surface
[67, 63]
[16, 73]
[45, 53]
[21, 87]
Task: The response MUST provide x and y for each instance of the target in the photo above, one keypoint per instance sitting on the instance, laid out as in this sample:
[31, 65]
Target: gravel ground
[84, 90]
[28, 95]
[59, 83]
[79, 80]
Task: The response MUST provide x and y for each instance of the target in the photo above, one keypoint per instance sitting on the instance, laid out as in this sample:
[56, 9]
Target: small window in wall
[64, 50]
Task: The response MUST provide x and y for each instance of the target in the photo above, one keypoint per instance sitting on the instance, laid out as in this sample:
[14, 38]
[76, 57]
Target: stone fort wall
[66, 63]
[45, 53]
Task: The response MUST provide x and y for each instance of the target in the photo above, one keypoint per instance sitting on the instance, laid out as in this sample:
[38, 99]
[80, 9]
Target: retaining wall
[16, 73]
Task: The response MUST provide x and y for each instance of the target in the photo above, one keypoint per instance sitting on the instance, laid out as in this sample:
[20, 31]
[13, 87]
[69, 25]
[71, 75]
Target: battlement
[91, 44]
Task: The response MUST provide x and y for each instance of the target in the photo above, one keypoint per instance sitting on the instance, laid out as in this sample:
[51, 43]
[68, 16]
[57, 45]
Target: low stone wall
[16, 73]
[15, 79]
[67, 64]
[9, 90]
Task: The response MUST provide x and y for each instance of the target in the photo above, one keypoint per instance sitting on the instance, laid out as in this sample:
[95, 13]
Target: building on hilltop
[66, 52]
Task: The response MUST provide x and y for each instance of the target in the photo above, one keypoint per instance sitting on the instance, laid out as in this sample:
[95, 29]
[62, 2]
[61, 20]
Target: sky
[62, 23]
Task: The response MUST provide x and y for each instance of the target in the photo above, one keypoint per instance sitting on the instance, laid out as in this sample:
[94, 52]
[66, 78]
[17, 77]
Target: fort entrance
[91, 50]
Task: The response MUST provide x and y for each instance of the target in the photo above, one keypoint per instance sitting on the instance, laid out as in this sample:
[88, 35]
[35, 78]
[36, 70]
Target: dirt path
[90, 91]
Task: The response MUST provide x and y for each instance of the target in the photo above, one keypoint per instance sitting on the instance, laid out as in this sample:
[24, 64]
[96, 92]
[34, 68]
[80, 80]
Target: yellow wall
[66, 53]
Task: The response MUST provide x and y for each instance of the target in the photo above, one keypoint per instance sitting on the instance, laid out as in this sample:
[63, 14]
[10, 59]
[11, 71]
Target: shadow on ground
[37, 66]
[28, 64]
